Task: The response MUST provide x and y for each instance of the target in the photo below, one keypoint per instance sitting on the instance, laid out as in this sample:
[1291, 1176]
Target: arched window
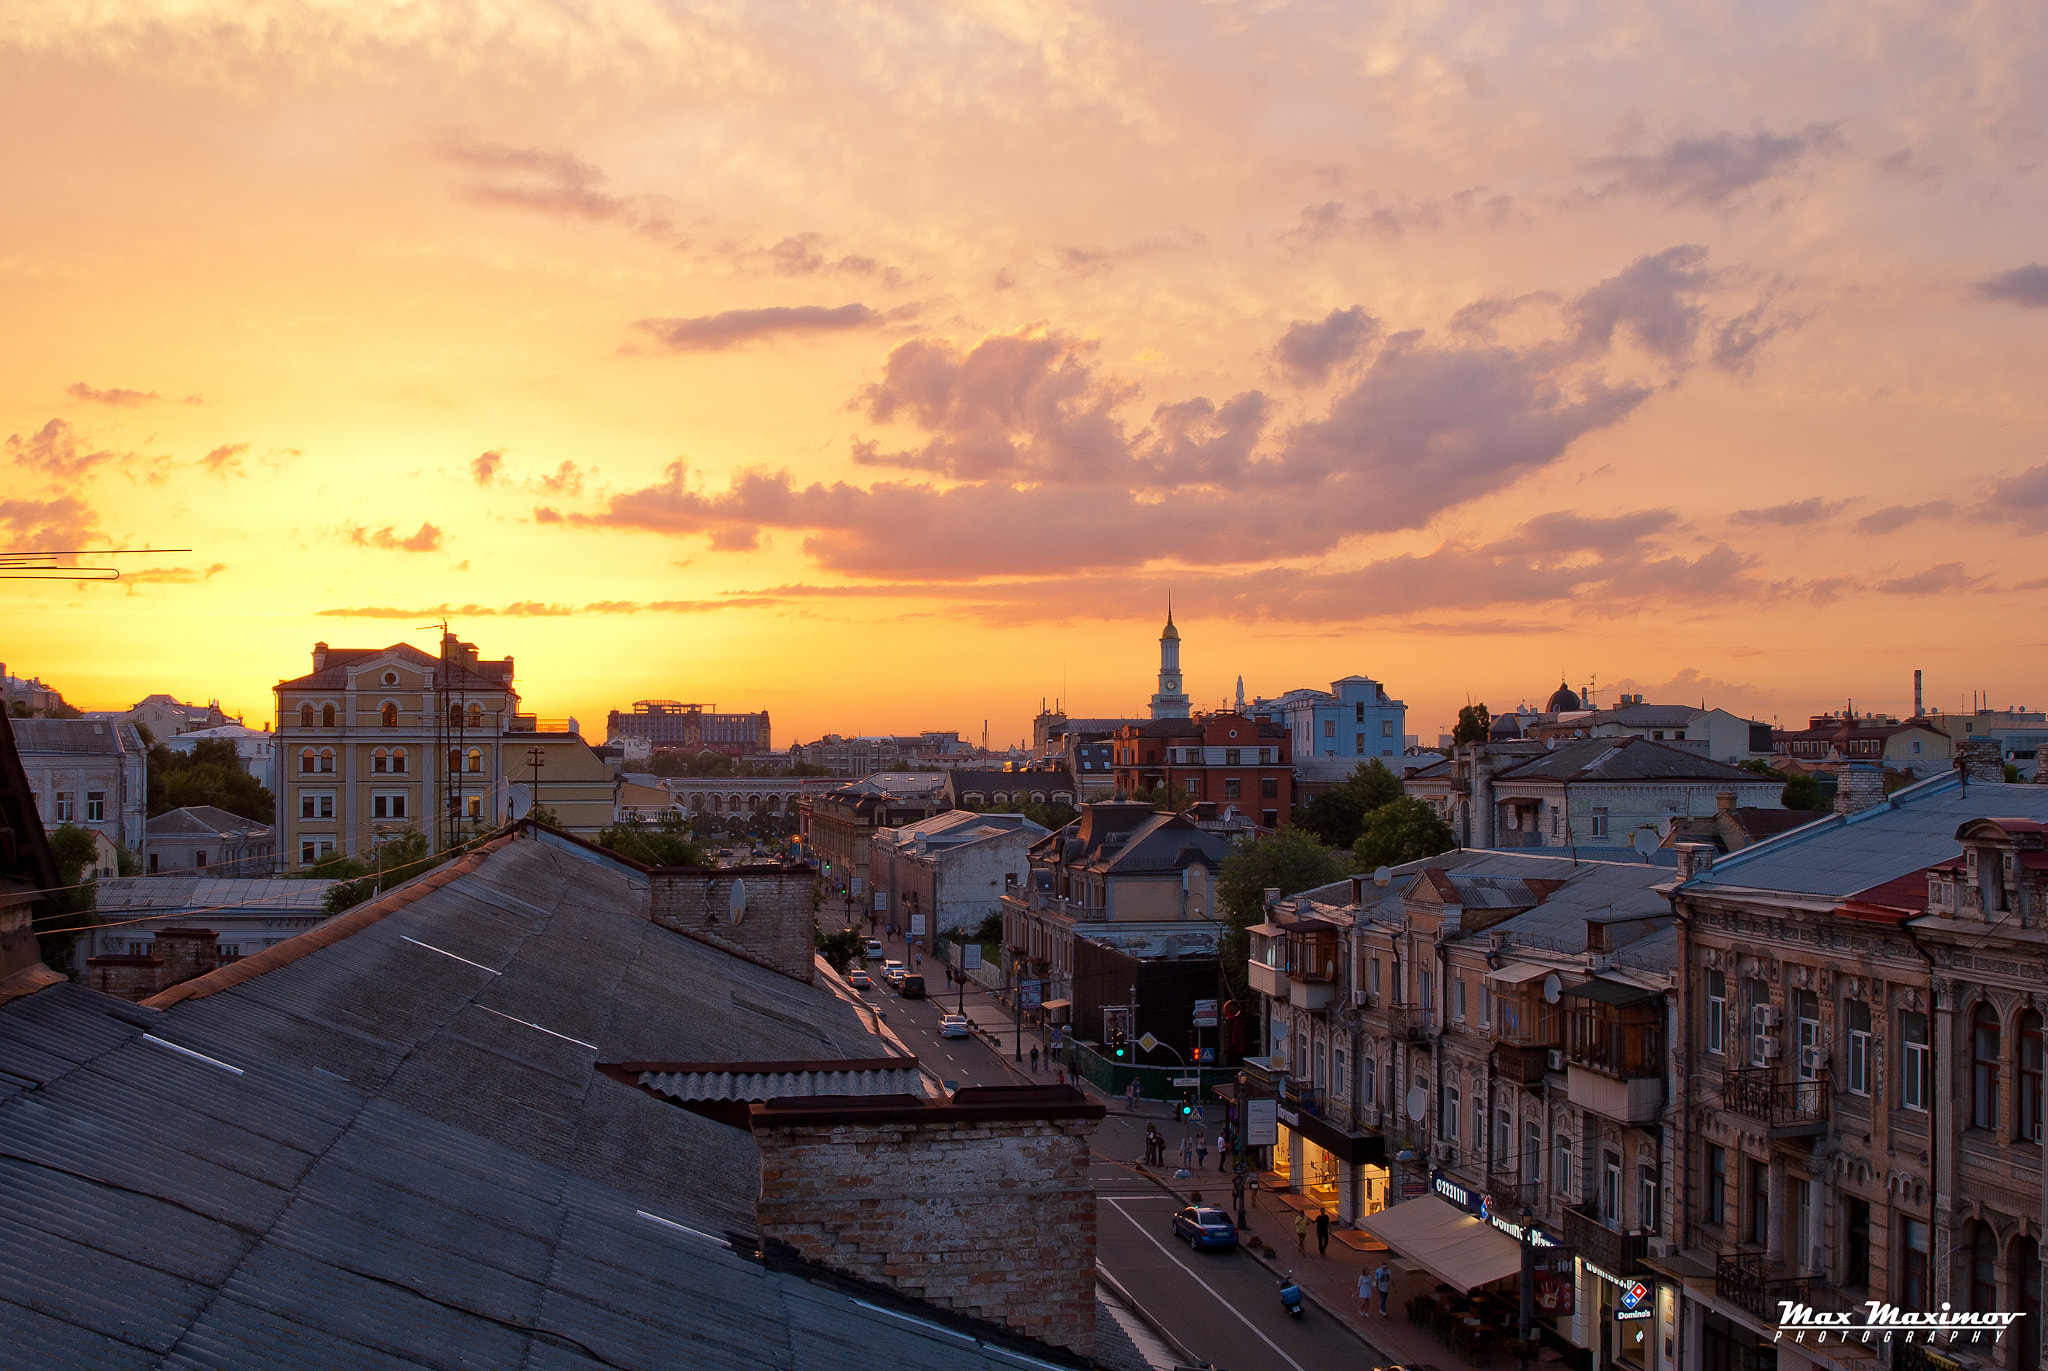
[380, 760]
[2026, 1106]
[305, 716]
[455, 716]
[388, 716]
[1983, 1257]
[306, 757]
[327, 716]
[454, 760]
[1984, 1067]
[476, 759]
[476, 716]
[398, 760]
[326, 759]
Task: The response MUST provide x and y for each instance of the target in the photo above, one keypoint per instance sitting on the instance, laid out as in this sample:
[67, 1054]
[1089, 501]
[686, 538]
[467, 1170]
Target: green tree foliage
[1404, 830]
[1337, 815]
[666, 843]
[1474, 723]
[1051, 815]
[1801, 790]
[541, 814]
[838, 949]
[63, 915]
[392, 864]
[1167, 799]
[210, 774]
[1289, 861]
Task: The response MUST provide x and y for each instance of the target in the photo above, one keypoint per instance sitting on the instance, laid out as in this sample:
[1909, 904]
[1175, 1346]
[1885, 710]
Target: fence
[1113, 1078]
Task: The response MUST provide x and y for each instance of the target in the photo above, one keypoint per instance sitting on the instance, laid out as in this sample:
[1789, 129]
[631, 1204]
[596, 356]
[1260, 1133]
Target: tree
[1289, 861]
[1337, 815]
[64, 914]
[1052, 815]
[210, 774]
[1404, 830]
[666, 843]
[1474, 723]
[391, 864]
[1801, 790]
[1167, 799]
[838, 949]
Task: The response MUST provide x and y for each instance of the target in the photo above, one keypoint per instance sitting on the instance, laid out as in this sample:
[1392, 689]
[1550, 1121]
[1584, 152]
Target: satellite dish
[738, 903]
[1645, 842]
[1418, 1100]
[1381, 875]
[1552, 988]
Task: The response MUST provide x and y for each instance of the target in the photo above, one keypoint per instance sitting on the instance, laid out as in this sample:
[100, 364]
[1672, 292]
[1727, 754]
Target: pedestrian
[1364, 1293]
[1301, 1232]
[1383, 1281]
[1131, 1094]
[1062, 1074]
[917, 961]
[1187, 1151]
[1202, 1154]
[1034, 1059]
[1222, 1153]
[1322, 1232]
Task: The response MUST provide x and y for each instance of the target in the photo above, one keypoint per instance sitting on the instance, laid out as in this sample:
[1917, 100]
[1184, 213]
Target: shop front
[1622, 1324]
[1343, 1172]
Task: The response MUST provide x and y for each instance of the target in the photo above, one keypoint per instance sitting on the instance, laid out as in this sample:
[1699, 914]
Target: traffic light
[1118, 1047]
[1187, 1105]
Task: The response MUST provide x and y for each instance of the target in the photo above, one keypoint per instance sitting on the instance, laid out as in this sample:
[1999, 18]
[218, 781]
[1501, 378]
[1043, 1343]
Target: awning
[1055, 1004]
[1459, 1248]
[1514, 973]
[1617, 993]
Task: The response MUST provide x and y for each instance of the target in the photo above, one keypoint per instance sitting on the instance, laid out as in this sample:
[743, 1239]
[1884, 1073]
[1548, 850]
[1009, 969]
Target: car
[858, 978]
[953, 1026]
[892, 971]
[875, 952]
[911, 986]
[1201, 1226]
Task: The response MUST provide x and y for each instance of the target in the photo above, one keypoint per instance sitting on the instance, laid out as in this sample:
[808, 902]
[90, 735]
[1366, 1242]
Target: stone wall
[181, 954]
[771, 925]
[990, 1217]
[131, 978]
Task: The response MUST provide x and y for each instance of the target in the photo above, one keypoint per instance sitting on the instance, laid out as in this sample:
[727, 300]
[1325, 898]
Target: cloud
[56, 453]
[567, 480]
[225, 460]
[1389, 219]
[733, 327]
[1089, 261]
[1933, 581]
[1655, 297]
[531, 178]
[1898, 516]
[1793, 514]
[1309, 349]
[1713, 170]
[66, 523]
[173, 575]
[428, 539]
[2026, 286]
[2023, 497]
[540, 609]
[79, 390]
[1688, 685]
[483, 469]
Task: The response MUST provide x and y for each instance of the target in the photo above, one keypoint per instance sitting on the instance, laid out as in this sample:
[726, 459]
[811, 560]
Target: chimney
[1694, 859]
[761, 913]
[186, 953]
[1005, 1235]
[319, 656]
[1919, 706]
[1859, 786]
[1981, 759]
[1725, 802]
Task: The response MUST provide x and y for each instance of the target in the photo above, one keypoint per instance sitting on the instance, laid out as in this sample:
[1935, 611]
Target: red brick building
[1227, 760]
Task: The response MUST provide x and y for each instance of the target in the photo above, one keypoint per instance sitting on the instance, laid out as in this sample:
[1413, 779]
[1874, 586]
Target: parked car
[858, 978]
[953, 1026]
[911, 986]
[892, 971]
[875, 953]
[1204, 1227]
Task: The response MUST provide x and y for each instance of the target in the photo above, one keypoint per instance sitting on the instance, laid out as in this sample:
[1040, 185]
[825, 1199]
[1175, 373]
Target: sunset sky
[884, 365]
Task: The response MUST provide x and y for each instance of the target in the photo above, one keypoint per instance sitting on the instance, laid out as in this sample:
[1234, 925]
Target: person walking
[1034, 1059]
[1301, 1232]
[1322, 1232]
[1131, 1095]
[1202, 1154]
[1187, 1151]
[1222, 1153]
[1364, 1293]
[1383, 1281]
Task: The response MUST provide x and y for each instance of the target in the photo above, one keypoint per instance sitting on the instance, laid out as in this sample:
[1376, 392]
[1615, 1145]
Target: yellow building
[375, 743]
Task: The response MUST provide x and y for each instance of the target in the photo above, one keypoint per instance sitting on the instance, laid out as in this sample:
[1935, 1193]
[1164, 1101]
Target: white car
[953, 1026]
[892, 971]
[875, 953]
[858, 979]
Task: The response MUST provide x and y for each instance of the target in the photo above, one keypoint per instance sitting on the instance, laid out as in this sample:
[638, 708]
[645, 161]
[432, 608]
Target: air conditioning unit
[1767, 1015]
[1768, 1047]
[1809, 1059]
[1446, 1152]
[1365, 999]
[1557, 1059]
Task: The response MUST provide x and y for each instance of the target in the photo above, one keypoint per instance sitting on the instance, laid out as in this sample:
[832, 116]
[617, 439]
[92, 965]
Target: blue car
[1204, 1228]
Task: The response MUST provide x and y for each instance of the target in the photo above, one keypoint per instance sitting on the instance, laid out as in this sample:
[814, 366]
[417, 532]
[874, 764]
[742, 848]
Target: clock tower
[1171, 702]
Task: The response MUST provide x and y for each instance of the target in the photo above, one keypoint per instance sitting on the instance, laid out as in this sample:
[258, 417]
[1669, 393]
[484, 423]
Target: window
[1915, 1081]
[1855, 1244]
[1503, 1140]
[64, 807]
[1374, 983]
[1556, 820]
[1983, 1268]
[327, 759]
[1233, 756]
[1561, 1168]
[1806, 1007]
[1759, 1203]
[1646, 1198]
[1599, 821]
[2026, 1107]
[476, 760]
[1233, 788]
[316, 849]
[1485, 1004]
[1759, 1021]
[305, 716]
[1458, 998]
[316, 804]
[1269, 787]
[1358, 712]
[454, 760]
[476, 716]
[306, 760]
[1329, 728]
[95, 806]
[1358, 745]
[1386, 728]
[398, 760]
[388, 805]
[1320, 1076]
[1913, 1270]
[455, 716]
[1532, 1153]
[1610, 1188]
[1714, 1201]
[1428, 990]
[1857, 1014]
[380, 760]
[1367, 1079]
[327, 716]
[1301, 1054]
[1339, 1081]
[1451, 1102]
[1717, 1010]
[1984, 1067]
[388, 716]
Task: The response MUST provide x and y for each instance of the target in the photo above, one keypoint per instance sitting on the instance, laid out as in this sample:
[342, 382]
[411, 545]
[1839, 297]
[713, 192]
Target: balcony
[1744, 1280]
[1266, 980]
[1406, 1023]
[1618, 1254]
[1303, 1096]
[1514, 837]
[1786, 1109]
[1510, 1197]
[1631, 1102]
[1520, 1064]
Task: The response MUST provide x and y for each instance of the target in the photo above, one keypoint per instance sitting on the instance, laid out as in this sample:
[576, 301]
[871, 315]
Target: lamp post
[536, 758]
[1528, 1281]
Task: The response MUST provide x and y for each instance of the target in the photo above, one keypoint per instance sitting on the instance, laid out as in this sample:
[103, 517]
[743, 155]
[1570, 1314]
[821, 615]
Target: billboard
[1261, 1122]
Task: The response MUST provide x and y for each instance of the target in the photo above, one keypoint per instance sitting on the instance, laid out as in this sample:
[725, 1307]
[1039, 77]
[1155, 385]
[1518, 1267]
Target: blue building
[1355, 718]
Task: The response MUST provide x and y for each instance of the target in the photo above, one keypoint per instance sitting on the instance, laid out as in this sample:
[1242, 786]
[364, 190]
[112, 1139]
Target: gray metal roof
[204, 821]
[1624, 759]
[769, 1085]
[399, 1155]
[1913, 829]
[75, 737]
[210, 894]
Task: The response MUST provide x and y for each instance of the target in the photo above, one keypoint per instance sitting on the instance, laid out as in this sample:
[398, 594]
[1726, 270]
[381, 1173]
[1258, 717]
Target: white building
[257, 747]
[953, 867]
[89, 772]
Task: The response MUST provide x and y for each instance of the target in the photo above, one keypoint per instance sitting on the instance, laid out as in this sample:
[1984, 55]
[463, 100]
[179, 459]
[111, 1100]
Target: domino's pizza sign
[1635, 1301]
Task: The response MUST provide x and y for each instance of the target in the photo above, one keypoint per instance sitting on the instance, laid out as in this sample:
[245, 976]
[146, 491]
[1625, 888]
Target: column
[1945, 1138]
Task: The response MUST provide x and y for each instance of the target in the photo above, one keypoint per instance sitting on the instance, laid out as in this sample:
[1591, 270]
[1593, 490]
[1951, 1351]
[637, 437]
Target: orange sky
[884, 366]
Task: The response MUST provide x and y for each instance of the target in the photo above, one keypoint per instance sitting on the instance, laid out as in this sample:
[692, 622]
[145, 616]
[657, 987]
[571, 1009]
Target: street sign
[1029, 990]
[917, 925]
[1205, 1013]
[970, 956]
[1148, 1042]
[1261, 1122]
[1187, 1080]
[1205, 1054]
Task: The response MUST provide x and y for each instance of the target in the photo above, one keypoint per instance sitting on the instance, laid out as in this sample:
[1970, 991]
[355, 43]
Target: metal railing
[1794, 1106]
[1406, 1023]
[1619, 1254]
[1520, 1064]
[1745, 1279]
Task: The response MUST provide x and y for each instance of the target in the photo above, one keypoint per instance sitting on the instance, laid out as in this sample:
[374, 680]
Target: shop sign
[1260, 1127]
[1205, 1013]
[1290, 1118]
[1635, 1301]
[1452, 1191]
[1460, 1196]
[1029, 991]
[1555, 1295]
[1608, 1276]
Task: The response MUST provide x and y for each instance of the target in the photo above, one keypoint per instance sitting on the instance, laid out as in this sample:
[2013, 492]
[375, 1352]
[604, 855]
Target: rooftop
[1624, 759]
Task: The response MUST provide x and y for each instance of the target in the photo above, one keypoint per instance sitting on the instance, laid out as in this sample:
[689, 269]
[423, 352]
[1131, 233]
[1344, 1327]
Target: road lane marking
[1214, 1294]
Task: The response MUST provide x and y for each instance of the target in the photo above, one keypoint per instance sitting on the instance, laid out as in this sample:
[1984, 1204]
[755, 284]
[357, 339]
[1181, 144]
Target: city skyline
[885, 371]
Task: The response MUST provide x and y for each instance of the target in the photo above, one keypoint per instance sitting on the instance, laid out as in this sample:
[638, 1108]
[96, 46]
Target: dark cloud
[2023, 497]
[1656, 298]
[1688, 685]
[1310, 348]
[225, 460]
[2026, 286]
[1933, 581]
[428, 539]
[1712, 171]
[1737, 340]
[1793, 514]
[717, 332]
[483, 468]
[79, 390]
[1898, 516]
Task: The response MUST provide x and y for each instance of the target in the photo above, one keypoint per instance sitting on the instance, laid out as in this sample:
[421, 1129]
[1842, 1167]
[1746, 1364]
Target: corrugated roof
[1624, 759]
[75, 737]
[769, 1085]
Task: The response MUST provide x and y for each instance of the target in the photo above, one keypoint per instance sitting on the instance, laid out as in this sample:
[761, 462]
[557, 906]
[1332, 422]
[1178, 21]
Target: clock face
[1173, 685]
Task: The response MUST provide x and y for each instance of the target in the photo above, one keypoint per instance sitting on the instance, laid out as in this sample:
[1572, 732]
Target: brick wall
[990, 1217]
[131, 978]
[181, 955]
[774, 928]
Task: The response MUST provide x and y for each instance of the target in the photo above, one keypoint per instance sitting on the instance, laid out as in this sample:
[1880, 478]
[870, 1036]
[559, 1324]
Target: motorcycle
[1290, 1295]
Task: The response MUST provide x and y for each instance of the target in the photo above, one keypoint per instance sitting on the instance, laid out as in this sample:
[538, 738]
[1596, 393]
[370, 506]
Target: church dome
[1562, 700]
